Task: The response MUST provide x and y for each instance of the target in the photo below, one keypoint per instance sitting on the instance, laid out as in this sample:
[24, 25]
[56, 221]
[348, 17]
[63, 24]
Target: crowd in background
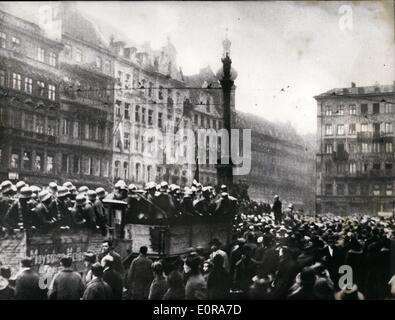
[275, 253]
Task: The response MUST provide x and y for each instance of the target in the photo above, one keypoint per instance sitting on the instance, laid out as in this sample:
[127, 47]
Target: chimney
[352, 84]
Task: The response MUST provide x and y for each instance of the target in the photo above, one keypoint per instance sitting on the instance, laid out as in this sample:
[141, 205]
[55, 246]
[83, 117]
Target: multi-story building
[57, 101]
[86, 108]
[153, 102]
[29, 102]
[282, 162]
[355, 159]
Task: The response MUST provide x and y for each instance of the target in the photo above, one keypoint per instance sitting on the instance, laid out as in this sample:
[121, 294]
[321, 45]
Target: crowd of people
[275, 253]
[65, 207]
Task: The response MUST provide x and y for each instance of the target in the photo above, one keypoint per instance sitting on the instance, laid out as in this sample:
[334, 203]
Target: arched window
[116, 169]
[126, 170]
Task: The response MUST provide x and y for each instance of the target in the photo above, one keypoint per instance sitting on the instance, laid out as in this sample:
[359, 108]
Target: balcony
[31, 135]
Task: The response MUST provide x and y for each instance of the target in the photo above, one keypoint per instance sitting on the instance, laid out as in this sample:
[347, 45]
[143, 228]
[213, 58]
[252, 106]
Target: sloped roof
[376, 89]
[263, 126]
[77, 26]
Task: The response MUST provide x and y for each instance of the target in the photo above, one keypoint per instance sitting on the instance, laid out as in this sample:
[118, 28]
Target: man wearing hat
[112, 277]
[97, 289]
[64, 206]
[186, 206]
[83, 214]
[19, 185]
[151, 198]
[83, 190]
[277, 209]
[6, 291]
[135, 209]
[5, 201]
[101, 218]
[53, 188]
[27, 283]
[67, 284]
[89, 260]
[216, 249]
[164, 202]
[19, 215]
[45, 219]
[73, 194]
[225, 205]
[204, 206]
[120, 190]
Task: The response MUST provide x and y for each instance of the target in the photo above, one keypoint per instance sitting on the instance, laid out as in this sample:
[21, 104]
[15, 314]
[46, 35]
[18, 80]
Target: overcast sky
[298, 46]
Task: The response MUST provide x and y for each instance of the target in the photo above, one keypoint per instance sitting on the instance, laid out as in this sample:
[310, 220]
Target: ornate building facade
[355, 158]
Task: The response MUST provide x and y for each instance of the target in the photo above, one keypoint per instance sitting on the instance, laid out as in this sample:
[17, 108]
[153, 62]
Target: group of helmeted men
[65, 207]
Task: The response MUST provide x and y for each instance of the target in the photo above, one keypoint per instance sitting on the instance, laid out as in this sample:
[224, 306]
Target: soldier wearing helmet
[45, 220]
[5, 201]
[20, 214]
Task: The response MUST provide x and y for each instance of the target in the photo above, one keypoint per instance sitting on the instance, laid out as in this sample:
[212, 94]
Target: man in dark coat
[20, 214]
[97, 289]
[64, 206]
[108, 249]
[101, 217]
[5, 201]
[45, 221]
[27, 283]
[164, 202]
[112, 278]
[218, 281]
[140, 276]
[277, 209]
[204, 206]
[305, 291]
[67, 284]
[6, 291]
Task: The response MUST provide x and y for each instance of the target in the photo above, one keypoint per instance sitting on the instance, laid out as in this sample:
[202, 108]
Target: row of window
[342, 189]
[76, 54]
[48, 125]
[27, 85]
[141, 172]
[363, 147]
[340, 128]
[206, 122]
[340, 110]
[45, 162]
[43, 56]
[87, 131]
[353, 167]
[142, 114]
